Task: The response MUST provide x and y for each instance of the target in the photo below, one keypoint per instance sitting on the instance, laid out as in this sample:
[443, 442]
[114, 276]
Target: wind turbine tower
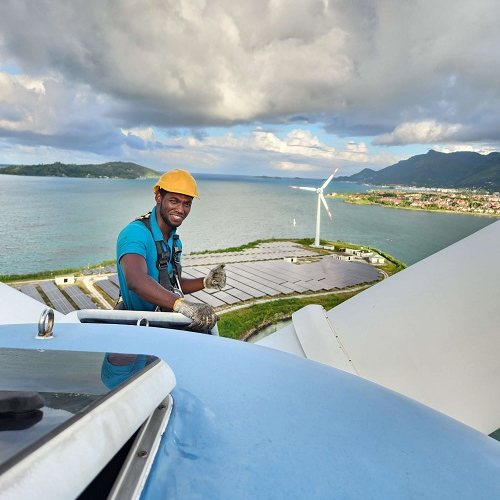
[321, 199]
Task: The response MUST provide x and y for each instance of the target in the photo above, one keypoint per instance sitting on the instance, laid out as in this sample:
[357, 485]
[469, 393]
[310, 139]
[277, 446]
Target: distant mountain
[434, 169]
[114, 170]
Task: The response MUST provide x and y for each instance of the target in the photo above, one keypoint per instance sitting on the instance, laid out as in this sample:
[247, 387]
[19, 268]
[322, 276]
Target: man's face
[174, 208]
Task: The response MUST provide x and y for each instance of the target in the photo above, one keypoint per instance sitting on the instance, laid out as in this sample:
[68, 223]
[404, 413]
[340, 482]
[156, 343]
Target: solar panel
[32, 291]
[58, 300]
[79, 298]
[108, 287]
[114, 279]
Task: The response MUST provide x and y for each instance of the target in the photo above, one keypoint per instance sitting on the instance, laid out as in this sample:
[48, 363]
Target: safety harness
[169, 280]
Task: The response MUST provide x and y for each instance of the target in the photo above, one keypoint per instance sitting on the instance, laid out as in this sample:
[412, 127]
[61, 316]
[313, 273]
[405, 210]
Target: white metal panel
[432, 331]
[16, 307]
[285, 339]
[318, 339]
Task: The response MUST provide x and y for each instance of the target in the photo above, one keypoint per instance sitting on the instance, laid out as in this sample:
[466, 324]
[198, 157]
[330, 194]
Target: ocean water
[57, 223]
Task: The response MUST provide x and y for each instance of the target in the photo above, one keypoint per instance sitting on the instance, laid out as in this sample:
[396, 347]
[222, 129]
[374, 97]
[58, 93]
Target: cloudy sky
[273, 87]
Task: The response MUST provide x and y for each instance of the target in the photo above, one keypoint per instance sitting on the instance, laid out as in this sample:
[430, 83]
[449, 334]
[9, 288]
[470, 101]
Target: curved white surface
[430, 332]
[251, 423]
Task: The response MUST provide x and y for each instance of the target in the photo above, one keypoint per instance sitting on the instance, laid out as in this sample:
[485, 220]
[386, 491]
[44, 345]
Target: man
[150, 243]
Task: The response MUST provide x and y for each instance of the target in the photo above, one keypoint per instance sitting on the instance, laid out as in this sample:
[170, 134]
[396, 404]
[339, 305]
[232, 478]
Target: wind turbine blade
[304, 188]
[329, 179]
[326, 206]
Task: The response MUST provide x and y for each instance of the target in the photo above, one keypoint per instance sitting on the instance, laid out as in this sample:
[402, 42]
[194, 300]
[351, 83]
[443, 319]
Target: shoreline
[428, 201]
[438, 210]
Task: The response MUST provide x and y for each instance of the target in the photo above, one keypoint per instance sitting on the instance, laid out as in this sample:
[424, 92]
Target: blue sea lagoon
[51, 223]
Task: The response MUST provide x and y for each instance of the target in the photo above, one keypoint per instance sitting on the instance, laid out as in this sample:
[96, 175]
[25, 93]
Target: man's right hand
[203, 315]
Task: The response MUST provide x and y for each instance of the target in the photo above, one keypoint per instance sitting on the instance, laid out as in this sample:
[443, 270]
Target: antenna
[321, 199]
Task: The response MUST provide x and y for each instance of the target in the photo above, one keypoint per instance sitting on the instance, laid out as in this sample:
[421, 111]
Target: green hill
[434, 169]
[113, 170]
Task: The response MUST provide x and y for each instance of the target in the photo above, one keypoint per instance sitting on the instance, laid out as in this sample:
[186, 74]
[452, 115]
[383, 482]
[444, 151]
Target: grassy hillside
[446, 170]
[115, 170]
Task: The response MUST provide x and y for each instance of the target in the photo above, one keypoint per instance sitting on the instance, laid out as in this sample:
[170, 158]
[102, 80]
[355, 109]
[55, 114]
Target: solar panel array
[270, 278]
[251, 274]
[57, 299]
[79, 298]
[32, 291]
[264, 251]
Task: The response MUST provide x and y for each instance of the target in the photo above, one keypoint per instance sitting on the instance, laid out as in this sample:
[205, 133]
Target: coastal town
[444, 199]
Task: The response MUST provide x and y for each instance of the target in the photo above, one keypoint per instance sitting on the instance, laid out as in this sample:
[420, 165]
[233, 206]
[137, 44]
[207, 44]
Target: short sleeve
[132, 239]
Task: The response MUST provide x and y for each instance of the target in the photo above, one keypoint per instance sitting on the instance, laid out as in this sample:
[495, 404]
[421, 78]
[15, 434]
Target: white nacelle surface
[430, 332]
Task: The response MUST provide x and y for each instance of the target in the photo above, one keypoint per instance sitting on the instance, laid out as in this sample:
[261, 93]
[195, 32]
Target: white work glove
[216, 278]
[203, 315]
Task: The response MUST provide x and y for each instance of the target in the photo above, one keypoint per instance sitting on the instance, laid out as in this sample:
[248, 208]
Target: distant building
[363, 253]
[346, 256]
[291, 259]
[68, 279]
[376, 259]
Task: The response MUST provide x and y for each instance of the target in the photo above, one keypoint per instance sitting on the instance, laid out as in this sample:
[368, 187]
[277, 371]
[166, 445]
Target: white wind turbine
[321, 199]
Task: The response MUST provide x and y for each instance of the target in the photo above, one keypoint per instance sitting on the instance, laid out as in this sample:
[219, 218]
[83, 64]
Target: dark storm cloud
[401, 72]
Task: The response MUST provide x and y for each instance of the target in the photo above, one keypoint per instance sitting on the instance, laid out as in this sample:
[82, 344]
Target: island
[447, 200]
[110, 170]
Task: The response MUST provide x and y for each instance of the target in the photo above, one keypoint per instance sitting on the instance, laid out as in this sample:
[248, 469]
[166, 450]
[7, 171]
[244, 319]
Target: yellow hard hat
[177, 181]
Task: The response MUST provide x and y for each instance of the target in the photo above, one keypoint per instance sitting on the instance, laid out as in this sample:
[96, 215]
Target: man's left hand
[216, 278]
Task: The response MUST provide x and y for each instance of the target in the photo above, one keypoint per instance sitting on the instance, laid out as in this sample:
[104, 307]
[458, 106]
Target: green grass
[41, 275]
[396, 266]
[242, 322]
[392, 265]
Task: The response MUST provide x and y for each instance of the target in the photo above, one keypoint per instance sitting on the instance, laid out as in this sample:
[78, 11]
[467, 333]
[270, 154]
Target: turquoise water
[56, 223]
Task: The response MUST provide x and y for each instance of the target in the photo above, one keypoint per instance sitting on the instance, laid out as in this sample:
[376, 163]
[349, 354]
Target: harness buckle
[162, 264]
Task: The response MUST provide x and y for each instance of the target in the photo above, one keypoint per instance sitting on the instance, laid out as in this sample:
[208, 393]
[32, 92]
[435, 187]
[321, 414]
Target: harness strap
[170, 281]
[176, 259]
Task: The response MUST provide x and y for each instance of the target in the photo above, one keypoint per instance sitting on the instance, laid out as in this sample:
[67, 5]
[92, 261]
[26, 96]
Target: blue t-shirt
[112, 375]
[136, 238]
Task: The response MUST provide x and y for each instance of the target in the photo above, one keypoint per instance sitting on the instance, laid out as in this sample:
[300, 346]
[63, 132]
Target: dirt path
[88, 282]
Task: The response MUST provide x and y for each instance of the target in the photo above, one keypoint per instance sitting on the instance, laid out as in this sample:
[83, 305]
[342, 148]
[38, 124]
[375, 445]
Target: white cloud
[116, 77]
[422, 132]
[295, 167]
[484, 150]
[353, 151]
[298, 151]
[299, 142]
[16, 89]
[146, 134]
